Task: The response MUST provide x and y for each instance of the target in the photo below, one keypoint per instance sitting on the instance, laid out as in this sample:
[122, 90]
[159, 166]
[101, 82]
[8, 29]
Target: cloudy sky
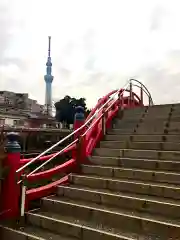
[97, 45]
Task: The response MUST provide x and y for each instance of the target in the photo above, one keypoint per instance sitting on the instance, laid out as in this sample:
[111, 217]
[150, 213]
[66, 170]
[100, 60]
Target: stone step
[115, 137]
[174, 128]
[152, 125]
[122, 131]
[132, 115]
[76, 228]
[135, 110]
[146, 123]
[137, 153]
[29, 233]
[159, 109]
[131, 125]
[127, 128]
[69, 192]
[144, 131]
[175, 113]
[174, 117]
[139, 138]
[175, 109]
[150, 130]
[132, 173]
[127, 120]
[176, 105]
[113, 144]
[137, 163]
[116, 218]
[156, 113]
[169, 146]
[156, 116]
[127, 186]
[124, 201]
[163, 106]
[143, 138]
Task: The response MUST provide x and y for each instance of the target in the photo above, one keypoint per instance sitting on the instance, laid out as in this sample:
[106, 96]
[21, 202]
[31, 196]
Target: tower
[48, 78]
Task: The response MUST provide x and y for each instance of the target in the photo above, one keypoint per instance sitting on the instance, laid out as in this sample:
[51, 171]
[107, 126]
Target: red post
[79, 120]
[81, 150]
[10, 188]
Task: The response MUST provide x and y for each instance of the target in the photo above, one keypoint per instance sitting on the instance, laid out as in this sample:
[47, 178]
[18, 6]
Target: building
[17, 109]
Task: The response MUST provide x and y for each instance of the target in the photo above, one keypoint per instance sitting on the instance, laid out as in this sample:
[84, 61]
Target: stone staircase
[130, 192]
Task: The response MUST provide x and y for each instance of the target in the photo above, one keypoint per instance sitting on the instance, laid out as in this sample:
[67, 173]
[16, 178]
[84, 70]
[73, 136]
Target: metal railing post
[23, 196]
[104, 121]
[141, 95]
[130, 89]
[120, 99]
[149, 101]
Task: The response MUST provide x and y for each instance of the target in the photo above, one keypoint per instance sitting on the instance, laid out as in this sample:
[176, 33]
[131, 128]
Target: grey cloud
[89, 49]
[12, 60]
[88, 40]
[5, 26]
[7, 29]
[157, 17]
[68, 48]
[162, 80]
[11, 84]
[65, 74]
[94, 78]
[90, 63]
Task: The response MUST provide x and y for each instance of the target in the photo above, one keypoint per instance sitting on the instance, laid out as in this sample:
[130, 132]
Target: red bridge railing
[87, 135]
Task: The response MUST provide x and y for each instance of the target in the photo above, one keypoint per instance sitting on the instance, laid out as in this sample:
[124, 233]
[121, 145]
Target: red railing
[88, 136]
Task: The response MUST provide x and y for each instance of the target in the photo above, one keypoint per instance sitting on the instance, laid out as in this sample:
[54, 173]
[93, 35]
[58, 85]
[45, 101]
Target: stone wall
[37, 140]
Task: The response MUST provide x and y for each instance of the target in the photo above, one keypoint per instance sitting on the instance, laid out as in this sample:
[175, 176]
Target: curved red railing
[98, 105]
[91, 133]
[24, 161]
[100, 102]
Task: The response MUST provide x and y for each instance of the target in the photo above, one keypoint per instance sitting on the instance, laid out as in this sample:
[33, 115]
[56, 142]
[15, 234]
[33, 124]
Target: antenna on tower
[49, 48]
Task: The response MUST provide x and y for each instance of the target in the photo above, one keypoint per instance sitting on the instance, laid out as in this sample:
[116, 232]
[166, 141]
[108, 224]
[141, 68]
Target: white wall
[9, 121]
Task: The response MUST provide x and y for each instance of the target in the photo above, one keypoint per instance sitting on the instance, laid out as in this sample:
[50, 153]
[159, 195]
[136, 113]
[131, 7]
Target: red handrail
[100, 102]
[105, 106]
[61, 141]
[45, 158]
[98, 105]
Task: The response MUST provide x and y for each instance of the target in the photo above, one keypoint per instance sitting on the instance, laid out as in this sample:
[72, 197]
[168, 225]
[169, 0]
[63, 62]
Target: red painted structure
[86, 136]
[10, 188]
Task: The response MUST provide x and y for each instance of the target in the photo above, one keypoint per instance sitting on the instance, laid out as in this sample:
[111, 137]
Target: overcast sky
[97, 45]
